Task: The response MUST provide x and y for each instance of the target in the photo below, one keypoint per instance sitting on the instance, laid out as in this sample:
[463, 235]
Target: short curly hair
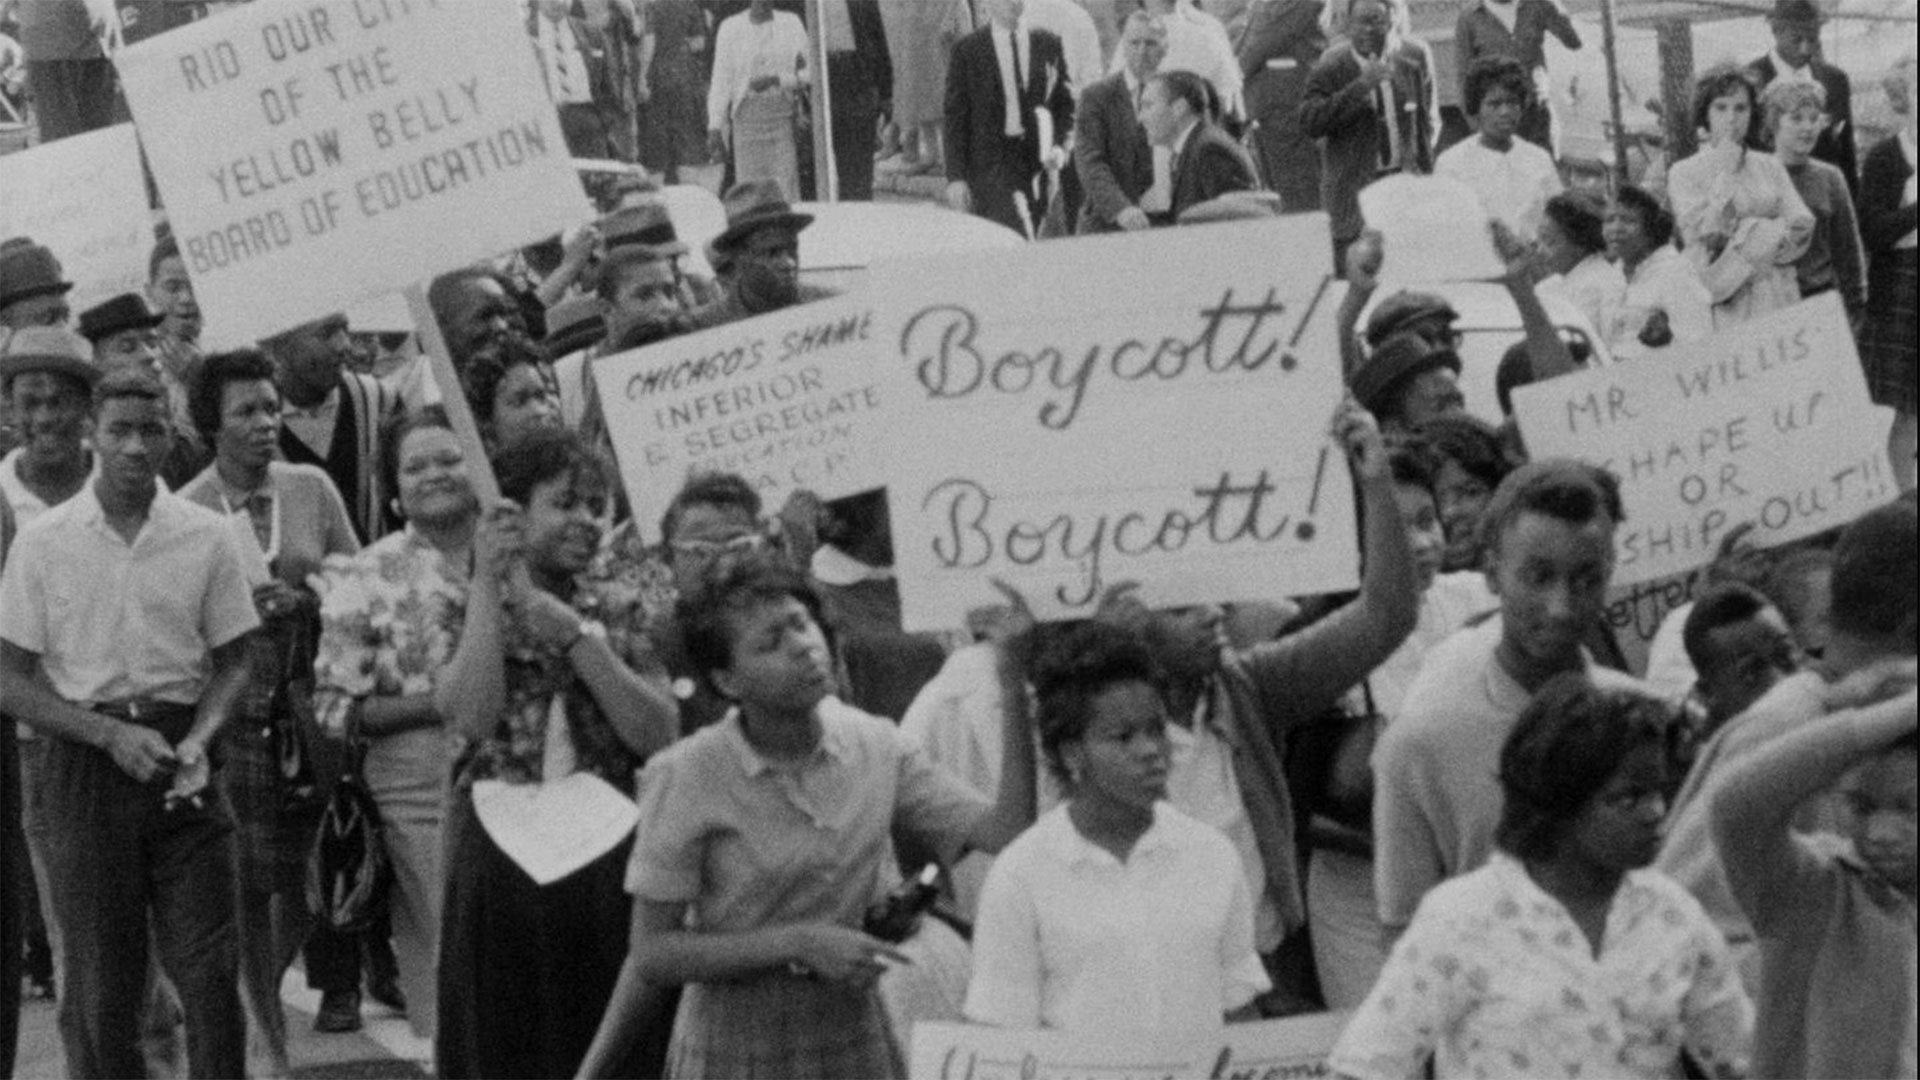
[1073, 670]
[1569, 741]
[1489, 72]
[207, 394]
[1655, 218]
[706, 614]
[487, 368]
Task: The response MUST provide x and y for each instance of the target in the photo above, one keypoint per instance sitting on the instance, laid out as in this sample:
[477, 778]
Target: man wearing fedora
[45, 374]
[757, 256]
[1796, 58]
[124, 333]
[33, 291]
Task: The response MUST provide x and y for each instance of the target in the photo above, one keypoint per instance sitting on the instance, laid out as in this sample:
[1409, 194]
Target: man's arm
[141, 753]
[1105, 197]
[1333, 100]
[1304, 672]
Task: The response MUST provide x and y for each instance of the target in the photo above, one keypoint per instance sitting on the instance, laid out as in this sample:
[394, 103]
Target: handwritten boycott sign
[313, 153]
[1292, 1049]
[788, 400]
[1147, 408]
[83, 197]
[1769, 423]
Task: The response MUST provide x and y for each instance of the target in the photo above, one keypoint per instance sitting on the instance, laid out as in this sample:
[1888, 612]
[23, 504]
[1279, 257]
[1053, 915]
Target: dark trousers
[856, 111]
[13, 862]
[1289, 157]
[587, 132]
[992, 188]
[526, 970]
[116, 856]
[71, 97]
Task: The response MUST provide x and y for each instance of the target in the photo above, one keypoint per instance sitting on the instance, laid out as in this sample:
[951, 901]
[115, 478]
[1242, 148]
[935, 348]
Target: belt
[142, 710]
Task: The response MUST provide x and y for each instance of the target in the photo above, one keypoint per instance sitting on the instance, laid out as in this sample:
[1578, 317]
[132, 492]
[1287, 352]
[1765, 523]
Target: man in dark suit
[859, 75]
[1207, 163]
[1795, 55]
[1370, 103]
[1110, 148]
[994, 156]
[1282, 40]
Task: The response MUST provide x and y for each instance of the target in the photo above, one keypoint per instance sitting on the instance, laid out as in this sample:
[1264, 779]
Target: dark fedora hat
[1399, 358]
[753, 205]
[46, 348]
[128, 311]
[647, 225]
[27, 270]
[1404, 309]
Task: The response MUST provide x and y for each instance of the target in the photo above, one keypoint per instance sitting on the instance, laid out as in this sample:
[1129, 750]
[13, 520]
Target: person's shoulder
[701, 753]
[186, 515]
[1106, 88]
[857, 726]
[1194, 836]
[1457, 154]
[1832, 74]
[301, 476]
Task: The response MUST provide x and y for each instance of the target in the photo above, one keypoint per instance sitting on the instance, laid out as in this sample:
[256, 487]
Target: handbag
[348, 873]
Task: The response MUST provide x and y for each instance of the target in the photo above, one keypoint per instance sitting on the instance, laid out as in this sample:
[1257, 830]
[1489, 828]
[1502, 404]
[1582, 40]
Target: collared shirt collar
[832, 742]
[1180, 140]
[88, 511]
[1787, 72]
[1077, 852]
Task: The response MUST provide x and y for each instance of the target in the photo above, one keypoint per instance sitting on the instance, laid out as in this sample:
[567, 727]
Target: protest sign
[311, 155]
[1768, 422]
[788, 400]
[1432, 229]
[1296, 1047]
[1149, 408]
[83, 197]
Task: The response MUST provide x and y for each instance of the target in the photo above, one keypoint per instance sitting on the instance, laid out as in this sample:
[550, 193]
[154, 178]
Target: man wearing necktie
[1001, 75]
[1116, 163]
[1369, 101]
[1796, 58]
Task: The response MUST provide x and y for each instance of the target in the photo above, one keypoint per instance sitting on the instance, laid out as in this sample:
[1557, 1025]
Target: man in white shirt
[124, 615]
[1549, 542]
[1513, 177]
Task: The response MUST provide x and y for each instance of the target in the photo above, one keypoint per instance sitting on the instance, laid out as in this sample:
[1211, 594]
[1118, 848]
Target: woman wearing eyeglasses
[1564, 955]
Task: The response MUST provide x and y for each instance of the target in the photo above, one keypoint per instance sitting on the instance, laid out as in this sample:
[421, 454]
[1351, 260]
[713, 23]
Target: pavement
[384, 1047]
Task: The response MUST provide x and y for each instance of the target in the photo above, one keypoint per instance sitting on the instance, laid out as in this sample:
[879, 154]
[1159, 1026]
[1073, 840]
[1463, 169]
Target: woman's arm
[641, 709]
[663, 950]
[1796, 218]
[1014, 804]
[472, 688]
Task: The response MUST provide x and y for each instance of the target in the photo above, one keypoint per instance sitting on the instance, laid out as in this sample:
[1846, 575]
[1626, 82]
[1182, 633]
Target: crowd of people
[700, 807]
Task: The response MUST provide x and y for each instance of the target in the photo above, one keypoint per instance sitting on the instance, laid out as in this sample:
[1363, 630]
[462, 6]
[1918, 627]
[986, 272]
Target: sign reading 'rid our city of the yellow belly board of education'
[313, 153]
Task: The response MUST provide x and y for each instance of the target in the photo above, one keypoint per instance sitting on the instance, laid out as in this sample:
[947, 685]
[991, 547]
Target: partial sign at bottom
[1292, 1049]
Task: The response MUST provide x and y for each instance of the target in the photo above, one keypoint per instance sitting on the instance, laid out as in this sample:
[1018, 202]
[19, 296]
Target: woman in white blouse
[1115, 914]
[1742, 223]
[1564, 955]
[759, 70]
[1662, 301]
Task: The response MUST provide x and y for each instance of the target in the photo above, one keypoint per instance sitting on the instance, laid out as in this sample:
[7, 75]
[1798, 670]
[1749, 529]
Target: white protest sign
[1432, 228]
[1296, 1047]
[317, 153]
[85, 199]
[788, 400]
[1768, 422]
[1153, 408]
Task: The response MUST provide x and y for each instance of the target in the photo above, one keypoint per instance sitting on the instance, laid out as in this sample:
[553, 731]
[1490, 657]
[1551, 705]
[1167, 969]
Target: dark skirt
[1888, 356]
[273, 826]
[525, 970]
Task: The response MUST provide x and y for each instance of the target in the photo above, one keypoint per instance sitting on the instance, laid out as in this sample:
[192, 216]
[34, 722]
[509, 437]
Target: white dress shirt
[1513, 187]
[1015, 53]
